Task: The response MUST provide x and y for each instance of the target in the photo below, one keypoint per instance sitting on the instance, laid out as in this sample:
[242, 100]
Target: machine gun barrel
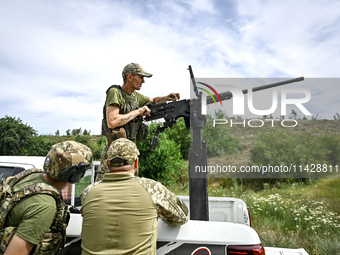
[228, 95]
[275, 84]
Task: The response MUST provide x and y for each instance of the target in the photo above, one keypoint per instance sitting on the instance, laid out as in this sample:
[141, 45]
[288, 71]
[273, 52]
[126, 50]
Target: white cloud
[58, 58]
[298, 36]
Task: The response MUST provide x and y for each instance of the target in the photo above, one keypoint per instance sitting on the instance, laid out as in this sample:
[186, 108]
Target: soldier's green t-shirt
[33, 215]
[120, 214]
[114, 96]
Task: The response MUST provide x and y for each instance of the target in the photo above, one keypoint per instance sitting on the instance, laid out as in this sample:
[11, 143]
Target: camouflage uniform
[52, 235]
[32, 208]
[127, 103]
[129, 209]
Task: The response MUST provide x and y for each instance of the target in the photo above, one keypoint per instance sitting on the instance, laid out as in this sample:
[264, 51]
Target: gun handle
[154, 140]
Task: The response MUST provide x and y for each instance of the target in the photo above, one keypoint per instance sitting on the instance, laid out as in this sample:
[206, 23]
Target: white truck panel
[74, 226]
[219, 233]
[26, 162]
[225, 209]
[284, 251]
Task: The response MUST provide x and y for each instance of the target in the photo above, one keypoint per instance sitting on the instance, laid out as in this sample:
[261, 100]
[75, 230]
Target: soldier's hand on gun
[173, 97]
[144, 111]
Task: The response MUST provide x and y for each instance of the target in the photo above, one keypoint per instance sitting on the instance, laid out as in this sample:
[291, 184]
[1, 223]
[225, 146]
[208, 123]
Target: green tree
[76, 131]
[165, 164]
[14, 136]
[279, 147]
[180, 135]
[301, 149]
[68, 132]
[86, 132]
[39, 146]
[97, 147]
[293, 114]
[219, 141]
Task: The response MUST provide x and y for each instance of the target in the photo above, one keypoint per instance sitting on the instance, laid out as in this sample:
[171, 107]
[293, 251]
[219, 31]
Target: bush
[165, 164]
[84, 139]
[180, 135]
[278, 147]
[331, 142]
[97, 147]
[39, 146]
[219, 141]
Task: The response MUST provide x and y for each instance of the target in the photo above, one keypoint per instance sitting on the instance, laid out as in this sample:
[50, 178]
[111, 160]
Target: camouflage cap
[135, 68]
[65, 154]
[124, 149]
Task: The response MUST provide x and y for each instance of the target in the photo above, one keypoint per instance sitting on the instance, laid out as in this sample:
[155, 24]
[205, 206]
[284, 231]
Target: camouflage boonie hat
[124, 149]
[135, 68]
[65, 154]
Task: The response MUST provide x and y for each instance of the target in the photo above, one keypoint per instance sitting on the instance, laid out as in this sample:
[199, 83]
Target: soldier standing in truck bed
[123, 111]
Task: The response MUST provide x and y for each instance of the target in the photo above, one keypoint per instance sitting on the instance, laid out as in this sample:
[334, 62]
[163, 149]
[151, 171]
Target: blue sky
[57, 58]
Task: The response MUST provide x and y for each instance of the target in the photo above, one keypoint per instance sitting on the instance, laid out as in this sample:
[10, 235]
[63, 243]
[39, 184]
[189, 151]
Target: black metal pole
[198, 181]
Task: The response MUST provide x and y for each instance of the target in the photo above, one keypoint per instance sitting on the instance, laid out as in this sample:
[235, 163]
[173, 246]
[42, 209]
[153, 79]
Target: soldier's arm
[170, 97]
[18, 246]
[114, 119]
[170, 208]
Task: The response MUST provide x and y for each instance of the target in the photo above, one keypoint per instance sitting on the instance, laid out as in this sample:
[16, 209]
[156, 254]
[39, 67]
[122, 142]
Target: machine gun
[171, 111]
[191, 111]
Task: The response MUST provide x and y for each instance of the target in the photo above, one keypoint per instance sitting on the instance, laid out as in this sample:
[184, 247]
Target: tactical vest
[55, 237]
[135, 129]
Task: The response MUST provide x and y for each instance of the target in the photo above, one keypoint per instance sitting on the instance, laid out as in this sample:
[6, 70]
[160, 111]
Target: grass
[288, 213]
[298, 215]
[82, 184]
[326, 190]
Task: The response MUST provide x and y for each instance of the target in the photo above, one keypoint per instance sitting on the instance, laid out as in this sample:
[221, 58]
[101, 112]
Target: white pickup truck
[228, 230]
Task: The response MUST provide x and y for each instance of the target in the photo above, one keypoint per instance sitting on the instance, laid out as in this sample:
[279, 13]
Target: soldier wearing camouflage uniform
[120, 213]
[124, 108]
[33, 216]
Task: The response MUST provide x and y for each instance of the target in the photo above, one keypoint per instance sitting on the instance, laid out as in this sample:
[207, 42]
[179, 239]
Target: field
[285, 213]
[297, 215]
[294, 215]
